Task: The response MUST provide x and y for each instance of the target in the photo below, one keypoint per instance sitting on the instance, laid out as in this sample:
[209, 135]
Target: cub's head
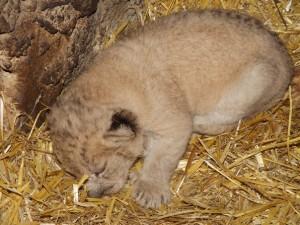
[100, 141]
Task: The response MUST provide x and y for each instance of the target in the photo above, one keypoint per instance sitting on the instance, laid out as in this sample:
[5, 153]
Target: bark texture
[44, 44]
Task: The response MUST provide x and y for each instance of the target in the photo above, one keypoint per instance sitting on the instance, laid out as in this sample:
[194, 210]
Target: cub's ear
[123, 127]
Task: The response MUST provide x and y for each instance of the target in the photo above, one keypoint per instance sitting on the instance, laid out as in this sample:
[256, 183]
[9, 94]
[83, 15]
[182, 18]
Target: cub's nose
[95, 193]
[98, 190]
[96, 187]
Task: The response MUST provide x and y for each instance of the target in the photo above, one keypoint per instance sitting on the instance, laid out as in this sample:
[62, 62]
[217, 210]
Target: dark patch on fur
[71, 145]
[127, 155]
[67, 134]
[258, 23]
[69, 122]
[83, 154]
[123, 118]
[238, 16]
[247, 19]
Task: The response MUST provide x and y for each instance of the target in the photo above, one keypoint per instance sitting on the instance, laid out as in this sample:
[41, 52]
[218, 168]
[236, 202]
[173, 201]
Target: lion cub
[197, 71]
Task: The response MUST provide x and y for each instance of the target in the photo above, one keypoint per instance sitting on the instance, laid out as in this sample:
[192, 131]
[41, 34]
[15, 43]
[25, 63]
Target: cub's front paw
[150, 193]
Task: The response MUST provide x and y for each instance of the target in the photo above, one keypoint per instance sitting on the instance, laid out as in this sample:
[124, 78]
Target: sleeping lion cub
[197, 71]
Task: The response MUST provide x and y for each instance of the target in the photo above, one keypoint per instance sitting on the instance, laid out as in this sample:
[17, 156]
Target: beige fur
[143, 97]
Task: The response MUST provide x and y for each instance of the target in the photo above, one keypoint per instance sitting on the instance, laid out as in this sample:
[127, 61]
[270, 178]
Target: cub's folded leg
[163, 151]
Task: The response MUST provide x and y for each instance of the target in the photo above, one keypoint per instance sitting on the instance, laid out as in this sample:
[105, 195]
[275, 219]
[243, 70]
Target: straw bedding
[248, 176]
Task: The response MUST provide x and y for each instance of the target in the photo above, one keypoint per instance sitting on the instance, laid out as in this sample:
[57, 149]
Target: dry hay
[248, 176]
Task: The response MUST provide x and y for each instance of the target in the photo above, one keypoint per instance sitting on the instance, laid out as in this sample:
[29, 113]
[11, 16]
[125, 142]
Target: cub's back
[205, 51]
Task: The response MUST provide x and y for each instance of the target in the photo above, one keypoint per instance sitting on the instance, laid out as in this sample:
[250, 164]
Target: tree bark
[44, 44]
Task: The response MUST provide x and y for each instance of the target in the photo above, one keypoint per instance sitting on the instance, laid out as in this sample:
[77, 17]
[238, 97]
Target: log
[44, 44]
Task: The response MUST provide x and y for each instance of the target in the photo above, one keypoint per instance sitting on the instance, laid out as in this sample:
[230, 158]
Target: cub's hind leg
[259, 86]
